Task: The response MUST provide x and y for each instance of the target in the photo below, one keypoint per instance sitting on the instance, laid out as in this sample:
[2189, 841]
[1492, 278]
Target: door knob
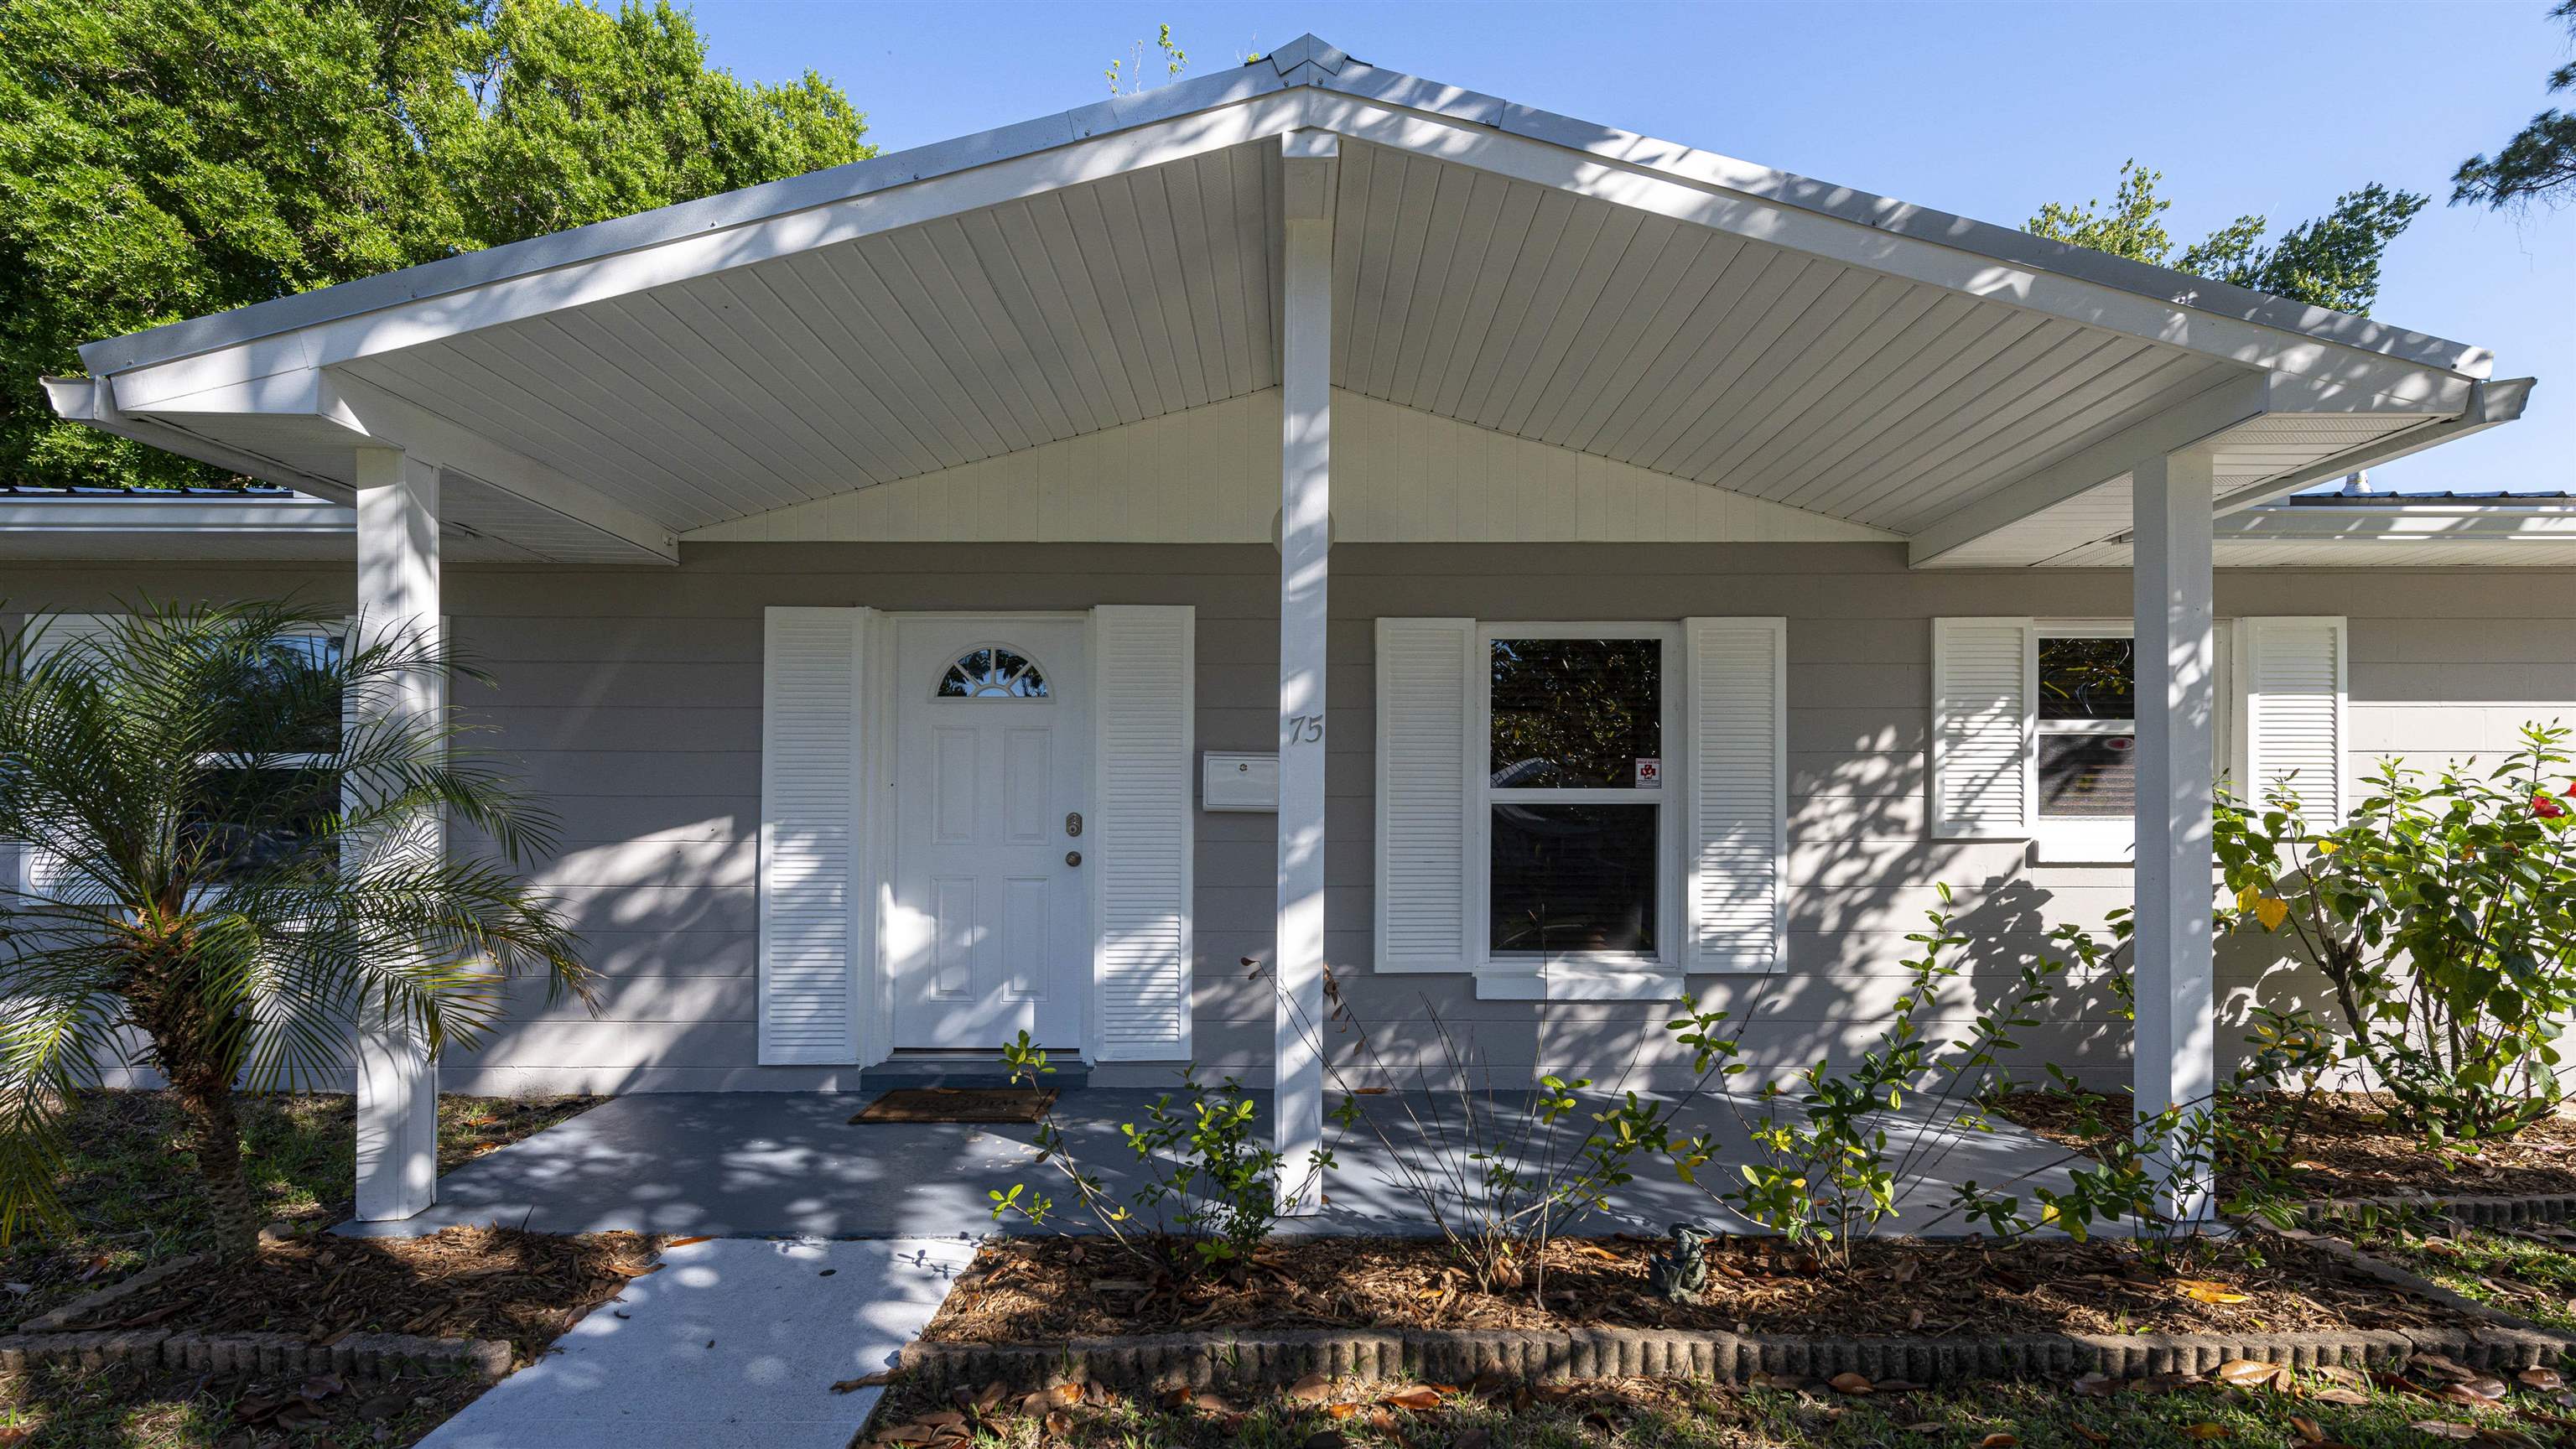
[1073, 857]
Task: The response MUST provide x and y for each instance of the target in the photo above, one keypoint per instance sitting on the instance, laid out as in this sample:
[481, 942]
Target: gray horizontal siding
[629, 701]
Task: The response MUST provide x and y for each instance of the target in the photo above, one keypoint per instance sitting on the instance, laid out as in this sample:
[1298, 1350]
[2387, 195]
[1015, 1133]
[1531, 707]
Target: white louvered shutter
[811, 841]
[1143, 656]
[37, 869]
[2293, 671]
[1735, 726]
[1985, 697]
[1424, 764]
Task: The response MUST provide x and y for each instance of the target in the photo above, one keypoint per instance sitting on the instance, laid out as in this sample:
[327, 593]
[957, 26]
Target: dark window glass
[2088, 679]
[2088, 775]
[257, 819]
[992, 674]
[288, 699]
[1570, 878]
[1575, 713]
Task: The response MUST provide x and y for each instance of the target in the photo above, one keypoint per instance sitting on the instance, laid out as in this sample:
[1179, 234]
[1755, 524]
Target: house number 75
[1305, 729]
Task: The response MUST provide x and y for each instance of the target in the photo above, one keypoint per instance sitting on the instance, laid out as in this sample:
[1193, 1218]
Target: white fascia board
[2491, 404]
[2420, 386]
[177, 514]
[1227, 107]
[368, 415]
[91, 402]
[2398, 522]
[422, 316]
[723, 214]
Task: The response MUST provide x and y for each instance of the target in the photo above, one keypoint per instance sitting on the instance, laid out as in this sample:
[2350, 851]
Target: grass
[1677, 1415]
[2519, 1273]
[129, 1179]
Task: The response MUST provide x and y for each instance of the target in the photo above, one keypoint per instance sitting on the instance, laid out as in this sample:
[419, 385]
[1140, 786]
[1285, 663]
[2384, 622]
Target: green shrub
[2443, 917]
[1208, 1181]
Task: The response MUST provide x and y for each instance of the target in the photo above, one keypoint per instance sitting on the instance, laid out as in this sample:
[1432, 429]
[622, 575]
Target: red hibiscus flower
[2546, 806]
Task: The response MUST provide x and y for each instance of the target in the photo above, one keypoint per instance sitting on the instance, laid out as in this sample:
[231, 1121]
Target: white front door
[990, 934]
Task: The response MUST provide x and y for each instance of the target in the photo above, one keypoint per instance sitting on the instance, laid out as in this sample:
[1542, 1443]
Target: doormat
[959, 1104]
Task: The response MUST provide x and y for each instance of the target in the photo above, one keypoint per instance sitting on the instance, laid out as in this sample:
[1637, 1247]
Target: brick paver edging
[2496, 1341]
[49, 1338]
[2476, 1211]
[1201, 1359]
[358, 1356]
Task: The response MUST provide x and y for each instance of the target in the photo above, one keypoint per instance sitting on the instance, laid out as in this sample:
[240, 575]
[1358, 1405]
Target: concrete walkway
[736, 1164]
[735, 1344]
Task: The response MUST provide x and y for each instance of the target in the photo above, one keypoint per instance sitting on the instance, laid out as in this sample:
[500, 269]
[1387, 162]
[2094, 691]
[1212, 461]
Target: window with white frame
[2087, 724]
[1579, 858]
[266, 795]
[1580, 811]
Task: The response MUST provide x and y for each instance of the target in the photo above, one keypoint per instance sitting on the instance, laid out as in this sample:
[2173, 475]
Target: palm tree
[222, 811]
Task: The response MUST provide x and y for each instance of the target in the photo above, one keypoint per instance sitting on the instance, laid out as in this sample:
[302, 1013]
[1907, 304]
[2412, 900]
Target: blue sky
[1982, 109]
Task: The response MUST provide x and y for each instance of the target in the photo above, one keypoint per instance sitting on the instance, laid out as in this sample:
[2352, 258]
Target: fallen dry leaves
[465, 1282]
[1037, 1290]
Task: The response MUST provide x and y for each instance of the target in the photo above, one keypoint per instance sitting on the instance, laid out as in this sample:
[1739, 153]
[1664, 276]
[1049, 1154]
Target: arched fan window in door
[993, 672]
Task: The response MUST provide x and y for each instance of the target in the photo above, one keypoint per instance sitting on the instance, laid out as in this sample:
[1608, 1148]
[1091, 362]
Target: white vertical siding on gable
[1984, 704]
[809, 835]
[1735, 726]
[2293, 672]
[1210, 475]
[1144, 663]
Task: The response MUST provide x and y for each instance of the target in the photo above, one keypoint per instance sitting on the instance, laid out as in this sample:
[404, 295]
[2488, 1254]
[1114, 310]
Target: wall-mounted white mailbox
[1231, 781]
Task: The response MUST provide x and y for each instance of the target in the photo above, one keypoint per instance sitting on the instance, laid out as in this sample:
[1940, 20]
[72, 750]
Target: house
[1320, 515]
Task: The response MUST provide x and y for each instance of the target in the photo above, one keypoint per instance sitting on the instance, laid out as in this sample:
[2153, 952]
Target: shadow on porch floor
[762, 1164]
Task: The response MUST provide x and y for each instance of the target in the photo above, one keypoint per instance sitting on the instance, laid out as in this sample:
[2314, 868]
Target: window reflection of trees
[2088, 678]
[1575, 713]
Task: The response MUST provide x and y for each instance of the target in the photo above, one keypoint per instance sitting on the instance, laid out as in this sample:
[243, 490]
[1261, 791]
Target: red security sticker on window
[1650, 773]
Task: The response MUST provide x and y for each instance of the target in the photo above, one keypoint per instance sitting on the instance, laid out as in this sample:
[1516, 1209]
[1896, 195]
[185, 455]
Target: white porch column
[2177, 659]
[1305, 540]
[398, 590]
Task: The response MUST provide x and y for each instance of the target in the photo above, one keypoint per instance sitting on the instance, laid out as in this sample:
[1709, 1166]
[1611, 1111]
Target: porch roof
[597, 394]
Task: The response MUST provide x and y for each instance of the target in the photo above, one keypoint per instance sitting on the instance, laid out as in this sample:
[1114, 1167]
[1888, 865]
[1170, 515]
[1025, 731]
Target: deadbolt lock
[1073, 824]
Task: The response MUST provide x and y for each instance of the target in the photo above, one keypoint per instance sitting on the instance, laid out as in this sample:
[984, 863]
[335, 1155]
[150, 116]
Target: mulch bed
[1036, 1289]
[474, 1282]
[959, 1104]
[2346, 1148]
[160, 1408]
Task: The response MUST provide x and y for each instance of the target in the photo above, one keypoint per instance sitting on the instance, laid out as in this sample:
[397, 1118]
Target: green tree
[2539, 163]
[235, 874]
[162, 159]
[2332, 261]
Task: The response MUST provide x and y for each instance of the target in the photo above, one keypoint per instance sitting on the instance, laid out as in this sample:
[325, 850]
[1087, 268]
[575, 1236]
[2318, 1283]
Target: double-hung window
[2088, 727]
[2035, 721]
[1575, 811]
[266, 796]
[1580, 849]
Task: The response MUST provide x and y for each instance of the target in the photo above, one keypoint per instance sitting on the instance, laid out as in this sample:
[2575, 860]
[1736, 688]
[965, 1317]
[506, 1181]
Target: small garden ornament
[1682, 1274]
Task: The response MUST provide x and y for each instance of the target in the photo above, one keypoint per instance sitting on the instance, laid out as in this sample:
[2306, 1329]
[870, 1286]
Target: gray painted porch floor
[783, 1164]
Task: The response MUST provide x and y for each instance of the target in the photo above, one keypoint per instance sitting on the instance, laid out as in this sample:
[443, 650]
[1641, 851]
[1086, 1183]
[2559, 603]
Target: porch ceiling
[1496, 302]
[1967, 387]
